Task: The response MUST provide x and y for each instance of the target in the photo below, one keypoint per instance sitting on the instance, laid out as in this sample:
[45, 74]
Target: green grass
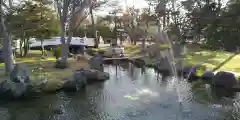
[209, 59]
[131, 50]
[233, 65]
[32, 57]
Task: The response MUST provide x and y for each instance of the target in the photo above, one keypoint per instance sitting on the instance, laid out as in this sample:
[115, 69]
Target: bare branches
[72, 12]
[4, 5]
[80, 20]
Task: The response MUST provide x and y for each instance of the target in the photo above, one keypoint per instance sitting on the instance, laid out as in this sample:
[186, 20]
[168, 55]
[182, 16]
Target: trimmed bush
[101, 51]
[57, 51]
[91, 51]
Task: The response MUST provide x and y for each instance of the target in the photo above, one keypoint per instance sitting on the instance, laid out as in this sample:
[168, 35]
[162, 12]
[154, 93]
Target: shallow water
[130, 94]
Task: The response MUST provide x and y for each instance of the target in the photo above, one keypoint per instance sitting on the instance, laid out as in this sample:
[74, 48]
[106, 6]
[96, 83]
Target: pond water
[130, 94]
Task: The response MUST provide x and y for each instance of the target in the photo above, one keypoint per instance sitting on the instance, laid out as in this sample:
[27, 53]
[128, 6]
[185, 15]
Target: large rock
[208, 75]
[20, 79]
[19, 74]
[42, 84]
[190, 72]
[6, 88]
[6, 85]
[96, 62]
[11, 90]
[70, 85]
[83, 76]
[224, 79]
[80, 77]
[18, 86]
[164, 67]
[19, 90]
[139, 62]
[95, 75]
[77, 81]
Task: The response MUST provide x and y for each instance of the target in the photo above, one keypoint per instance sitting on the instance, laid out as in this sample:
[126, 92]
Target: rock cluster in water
[96, 62]
[82, 77]
[220, 79]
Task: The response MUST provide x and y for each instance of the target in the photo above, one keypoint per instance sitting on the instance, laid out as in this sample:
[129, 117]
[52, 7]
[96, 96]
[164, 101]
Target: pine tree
[36, 19]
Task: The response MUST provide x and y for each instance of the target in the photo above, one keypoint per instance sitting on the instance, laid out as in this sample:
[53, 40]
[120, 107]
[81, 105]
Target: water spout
[162, 38]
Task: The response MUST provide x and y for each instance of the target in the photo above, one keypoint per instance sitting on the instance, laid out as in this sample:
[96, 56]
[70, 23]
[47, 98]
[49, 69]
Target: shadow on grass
[224, 62]
[210, 59]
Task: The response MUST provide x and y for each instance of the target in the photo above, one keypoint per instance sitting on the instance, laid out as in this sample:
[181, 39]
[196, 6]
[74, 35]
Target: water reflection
[130, 94]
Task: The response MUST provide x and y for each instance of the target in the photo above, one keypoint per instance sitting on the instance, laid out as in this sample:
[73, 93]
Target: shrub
[101, 51]
[91, 51]
[57, 51]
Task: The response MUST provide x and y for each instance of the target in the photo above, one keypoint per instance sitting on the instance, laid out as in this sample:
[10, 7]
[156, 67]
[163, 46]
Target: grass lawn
[55, 76]
[131, 50]
[233, 66]
[209, 59]
[33, 56]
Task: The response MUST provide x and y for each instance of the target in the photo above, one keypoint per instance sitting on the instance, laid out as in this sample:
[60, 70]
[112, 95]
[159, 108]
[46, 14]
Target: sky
[136, 3]
[123, 4]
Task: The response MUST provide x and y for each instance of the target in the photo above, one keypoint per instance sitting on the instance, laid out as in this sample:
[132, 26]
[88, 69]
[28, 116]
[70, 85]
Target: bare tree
[71, 12]
[94, 5]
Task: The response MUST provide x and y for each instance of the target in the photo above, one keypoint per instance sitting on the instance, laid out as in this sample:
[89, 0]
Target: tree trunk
[158, 25]
[42, 48]
[7, 49]
[144, 39]
[65, 45]
[164, 21]
[26, 47]
[93, 26]
[63, 41]
[21, 49]
[121, 38]
[62, 12]
[133, 38]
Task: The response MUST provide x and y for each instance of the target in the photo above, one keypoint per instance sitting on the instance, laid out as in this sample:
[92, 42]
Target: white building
[57, 41]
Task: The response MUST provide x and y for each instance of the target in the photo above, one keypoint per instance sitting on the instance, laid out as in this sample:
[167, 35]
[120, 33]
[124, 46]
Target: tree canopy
[34, 19]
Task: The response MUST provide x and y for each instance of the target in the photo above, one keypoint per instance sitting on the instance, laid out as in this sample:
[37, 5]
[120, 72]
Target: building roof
[57, 41]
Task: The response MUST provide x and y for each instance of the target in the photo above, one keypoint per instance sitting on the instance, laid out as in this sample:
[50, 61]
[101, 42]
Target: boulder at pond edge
[82, 77]
[93, 75]
[18, 86]
[207, 75]
[139, 62]
[224, 79]
[190, 72]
